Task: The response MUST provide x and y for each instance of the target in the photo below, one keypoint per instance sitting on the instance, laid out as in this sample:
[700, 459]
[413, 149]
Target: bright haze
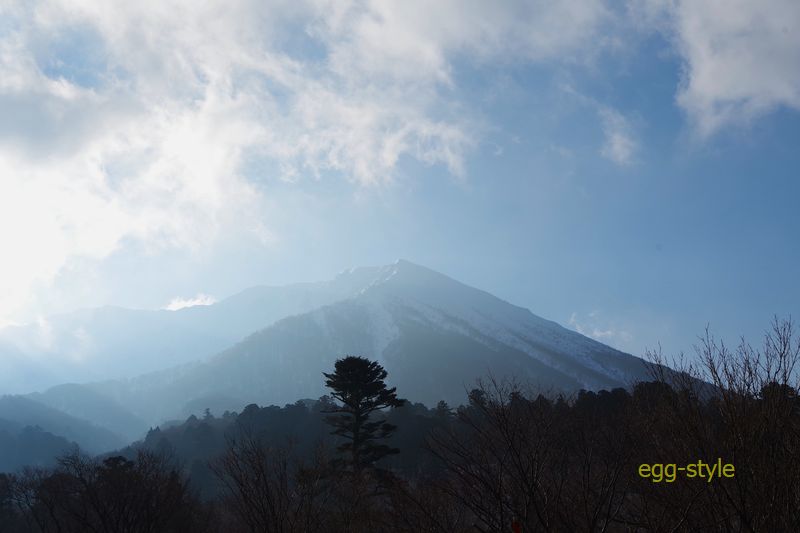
[626, 169]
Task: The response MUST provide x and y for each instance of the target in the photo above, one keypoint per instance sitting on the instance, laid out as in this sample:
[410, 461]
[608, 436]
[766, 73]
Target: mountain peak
[404, 277]
[401, 270]
[403, 265]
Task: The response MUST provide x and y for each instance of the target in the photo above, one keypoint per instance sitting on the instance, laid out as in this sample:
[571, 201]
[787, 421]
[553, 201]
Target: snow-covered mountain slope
[455, 307]
[434, 335]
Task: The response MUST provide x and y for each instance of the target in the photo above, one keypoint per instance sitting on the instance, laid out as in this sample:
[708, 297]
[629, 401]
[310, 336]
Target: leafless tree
[270, 491]
[116, 495]
[544, 465]
[741, 405]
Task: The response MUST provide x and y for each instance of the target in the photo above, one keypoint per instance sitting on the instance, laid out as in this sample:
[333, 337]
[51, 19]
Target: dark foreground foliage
[508, 459]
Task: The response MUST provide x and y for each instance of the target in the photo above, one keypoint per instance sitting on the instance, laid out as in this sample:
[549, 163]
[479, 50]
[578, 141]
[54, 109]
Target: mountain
[84, 403]
[19, 411]
[29, 446]
[112, 342]
[20, 372]
[434, 335]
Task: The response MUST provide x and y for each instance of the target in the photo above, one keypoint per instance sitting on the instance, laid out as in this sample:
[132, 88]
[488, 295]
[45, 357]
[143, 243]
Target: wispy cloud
[182, 303]
[599, 328]
[619, 142]
[619, 145]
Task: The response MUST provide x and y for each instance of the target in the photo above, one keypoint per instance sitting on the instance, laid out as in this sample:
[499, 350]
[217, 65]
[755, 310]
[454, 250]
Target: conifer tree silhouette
[358, 384]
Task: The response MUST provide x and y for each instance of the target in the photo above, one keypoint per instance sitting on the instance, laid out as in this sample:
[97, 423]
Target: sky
[627, 169]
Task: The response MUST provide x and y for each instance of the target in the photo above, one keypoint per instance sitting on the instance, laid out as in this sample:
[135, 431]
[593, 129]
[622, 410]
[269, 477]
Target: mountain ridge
[434, 334]
[406, 317]
[112, 342]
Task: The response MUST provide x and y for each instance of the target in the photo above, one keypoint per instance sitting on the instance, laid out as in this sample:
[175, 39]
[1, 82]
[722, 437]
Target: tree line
[510, 459]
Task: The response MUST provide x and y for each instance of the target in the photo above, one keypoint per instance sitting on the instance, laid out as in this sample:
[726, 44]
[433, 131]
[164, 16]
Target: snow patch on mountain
[383, 328]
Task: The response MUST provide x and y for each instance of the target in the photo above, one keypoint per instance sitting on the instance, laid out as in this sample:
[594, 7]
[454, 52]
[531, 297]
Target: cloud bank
[142, 121]
[137, 121]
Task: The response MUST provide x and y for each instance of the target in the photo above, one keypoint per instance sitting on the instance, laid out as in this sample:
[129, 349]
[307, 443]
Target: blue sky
[628, 170]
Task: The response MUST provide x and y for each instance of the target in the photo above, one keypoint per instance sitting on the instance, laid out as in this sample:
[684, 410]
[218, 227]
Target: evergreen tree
[358, 384]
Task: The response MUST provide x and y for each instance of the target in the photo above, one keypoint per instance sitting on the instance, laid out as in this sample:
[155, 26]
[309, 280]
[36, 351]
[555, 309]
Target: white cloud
[619, 145]
[135, 121]
[181, 303]
[742, 58]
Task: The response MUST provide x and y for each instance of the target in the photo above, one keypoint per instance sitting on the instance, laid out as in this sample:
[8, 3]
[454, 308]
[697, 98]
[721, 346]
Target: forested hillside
[667, 455]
